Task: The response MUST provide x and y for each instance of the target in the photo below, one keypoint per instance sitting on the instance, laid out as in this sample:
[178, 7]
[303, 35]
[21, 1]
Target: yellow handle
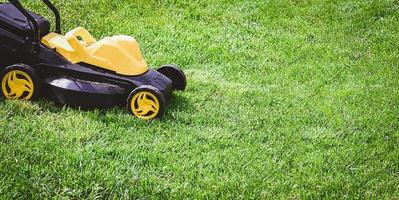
[72, 38]
[83, 33]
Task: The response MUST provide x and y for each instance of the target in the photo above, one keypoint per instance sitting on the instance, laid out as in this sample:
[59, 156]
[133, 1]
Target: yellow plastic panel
[120, 54]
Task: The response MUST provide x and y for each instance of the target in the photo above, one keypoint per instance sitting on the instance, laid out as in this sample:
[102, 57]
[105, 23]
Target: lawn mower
[77, 70]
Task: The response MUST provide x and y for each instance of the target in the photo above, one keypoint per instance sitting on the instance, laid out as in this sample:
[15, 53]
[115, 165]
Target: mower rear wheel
[146, 102]
[174, 73]
[20, 82]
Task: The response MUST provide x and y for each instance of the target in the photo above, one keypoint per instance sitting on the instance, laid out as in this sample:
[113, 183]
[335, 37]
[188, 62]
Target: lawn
[286, 99]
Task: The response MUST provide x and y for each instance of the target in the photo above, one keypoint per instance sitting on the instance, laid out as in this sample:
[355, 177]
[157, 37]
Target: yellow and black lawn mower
[75, 69]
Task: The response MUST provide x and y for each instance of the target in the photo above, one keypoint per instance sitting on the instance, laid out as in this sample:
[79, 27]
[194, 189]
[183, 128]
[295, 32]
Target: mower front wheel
[146, 102]
[174, 73]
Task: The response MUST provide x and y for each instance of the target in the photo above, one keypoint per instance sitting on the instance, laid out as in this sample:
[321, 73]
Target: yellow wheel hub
[145, 105]
[17, 84]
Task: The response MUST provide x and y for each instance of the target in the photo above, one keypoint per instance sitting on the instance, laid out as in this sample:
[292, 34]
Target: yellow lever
[72, 38]
[83, 34]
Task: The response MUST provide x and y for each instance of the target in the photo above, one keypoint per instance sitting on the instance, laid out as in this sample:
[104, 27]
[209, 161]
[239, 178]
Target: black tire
[174, 73]
[25, 76]
[154, 108]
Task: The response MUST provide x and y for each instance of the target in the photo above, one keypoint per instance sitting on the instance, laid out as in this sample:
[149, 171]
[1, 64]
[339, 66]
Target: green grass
[290, 99]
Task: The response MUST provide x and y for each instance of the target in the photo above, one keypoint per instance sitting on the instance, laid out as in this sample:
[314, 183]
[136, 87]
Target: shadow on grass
[117, 114]
[179, 103]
